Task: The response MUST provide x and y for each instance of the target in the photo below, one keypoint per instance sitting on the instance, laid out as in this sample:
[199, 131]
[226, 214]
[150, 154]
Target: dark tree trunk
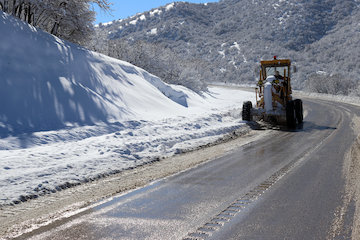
[14, 8]
[19, 10]
[40, 18]
[55, 28]
[28, 13]
[6, 6]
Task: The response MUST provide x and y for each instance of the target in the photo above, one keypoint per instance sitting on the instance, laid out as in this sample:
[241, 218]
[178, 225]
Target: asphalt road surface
[289, 185]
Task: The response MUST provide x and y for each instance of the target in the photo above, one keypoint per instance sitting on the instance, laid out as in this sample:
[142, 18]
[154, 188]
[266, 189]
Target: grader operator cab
[274, 102]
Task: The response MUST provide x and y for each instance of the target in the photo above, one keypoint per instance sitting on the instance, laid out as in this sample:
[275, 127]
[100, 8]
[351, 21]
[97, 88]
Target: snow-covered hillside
[69, 115]
[316, 35]
[47, 83]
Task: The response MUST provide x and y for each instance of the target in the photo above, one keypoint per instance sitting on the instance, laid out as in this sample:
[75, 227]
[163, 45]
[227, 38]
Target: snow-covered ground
[47, 161]
[69, 115]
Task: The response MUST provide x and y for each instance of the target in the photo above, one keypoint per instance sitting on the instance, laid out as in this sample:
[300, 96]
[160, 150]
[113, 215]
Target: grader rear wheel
[299, 110]
[246, 111]
[290, 114]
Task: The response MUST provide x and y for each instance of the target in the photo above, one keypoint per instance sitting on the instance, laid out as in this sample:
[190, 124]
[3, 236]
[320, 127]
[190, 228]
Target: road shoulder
[25, 217]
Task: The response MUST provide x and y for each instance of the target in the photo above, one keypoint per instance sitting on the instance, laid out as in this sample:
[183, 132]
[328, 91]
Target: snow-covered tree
[330, 84]
[69, 19]
[160, 61]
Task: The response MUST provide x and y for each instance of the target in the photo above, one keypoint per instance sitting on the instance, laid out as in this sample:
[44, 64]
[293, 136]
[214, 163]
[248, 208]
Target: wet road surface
[285, 186]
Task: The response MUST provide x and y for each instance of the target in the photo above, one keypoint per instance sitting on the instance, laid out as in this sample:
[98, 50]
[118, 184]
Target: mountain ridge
[225, 40]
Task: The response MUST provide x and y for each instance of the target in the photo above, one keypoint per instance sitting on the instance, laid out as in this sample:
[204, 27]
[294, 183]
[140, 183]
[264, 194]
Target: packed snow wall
[47, 84]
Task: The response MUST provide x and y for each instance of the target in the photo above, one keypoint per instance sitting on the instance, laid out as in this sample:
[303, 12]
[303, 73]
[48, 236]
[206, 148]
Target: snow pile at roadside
[47, 83]
[355, 100]
[69, 115]
[50, 161]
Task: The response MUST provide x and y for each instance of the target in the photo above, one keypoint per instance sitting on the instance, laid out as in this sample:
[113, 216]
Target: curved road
[292, 184]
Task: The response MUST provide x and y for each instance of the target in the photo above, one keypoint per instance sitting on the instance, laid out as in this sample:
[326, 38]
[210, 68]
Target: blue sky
[127, 8]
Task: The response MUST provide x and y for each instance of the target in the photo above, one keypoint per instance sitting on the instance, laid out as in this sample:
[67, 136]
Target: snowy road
[289, 185]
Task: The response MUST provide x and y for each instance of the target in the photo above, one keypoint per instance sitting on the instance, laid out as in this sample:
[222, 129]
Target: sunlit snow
[70, 115]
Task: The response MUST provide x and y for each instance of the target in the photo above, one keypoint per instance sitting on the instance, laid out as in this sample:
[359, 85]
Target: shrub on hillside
[335, 84]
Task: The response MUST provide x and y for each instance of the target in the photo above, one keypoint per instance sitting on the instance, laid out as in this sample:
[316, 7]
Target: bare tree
[69, 19]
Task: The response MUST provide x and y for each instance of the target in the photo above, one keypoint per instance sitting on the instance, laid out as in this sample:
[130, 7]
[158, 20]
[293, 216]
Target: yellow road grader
[274, 102]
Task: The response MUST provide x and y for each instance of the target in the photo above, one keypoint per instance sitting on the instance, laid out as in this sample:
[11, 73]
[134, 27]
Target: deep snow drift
[46, 83]
[69, 115]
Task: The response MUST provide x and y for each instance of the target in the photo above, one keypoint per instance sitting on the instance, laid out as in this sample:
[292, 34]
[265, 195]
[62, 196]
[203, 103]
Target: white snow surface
[69, 115]
[169, 6]
[155, 12]
[153, 31]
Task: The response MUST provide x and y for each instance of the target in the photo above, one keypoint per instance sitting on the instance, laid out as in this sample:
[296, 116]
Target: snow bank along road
[48, 161]
[301, 184]
[81, 115]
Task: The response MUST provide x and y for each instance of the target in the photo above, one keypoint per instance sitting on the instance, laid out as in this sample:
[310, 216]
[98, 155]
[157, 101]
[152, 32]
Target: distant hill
[224, 41]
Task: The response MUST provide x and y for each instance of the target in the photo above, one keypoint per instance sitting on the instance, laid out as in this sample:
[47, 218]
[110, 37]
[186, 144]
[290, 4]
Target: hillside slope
[226, 39]
[48, 83]
[69, 116]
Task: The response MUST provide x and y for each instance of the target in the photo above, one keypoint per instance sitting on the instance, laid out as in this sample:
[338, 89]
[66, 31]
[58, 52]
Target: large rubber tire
[299, 110]
[246, 111]
[290, 114]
